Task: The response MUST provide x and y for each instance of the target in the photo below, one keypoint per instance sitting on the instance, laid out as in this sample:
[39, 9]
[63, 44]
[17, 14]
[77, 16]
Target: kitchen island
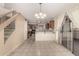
[44, 36]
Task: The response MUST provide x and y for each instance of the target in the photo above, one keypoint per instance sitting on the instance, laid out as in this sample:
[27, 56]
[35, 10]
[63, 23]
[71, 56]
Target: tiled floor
[40, 48]
[48, 48]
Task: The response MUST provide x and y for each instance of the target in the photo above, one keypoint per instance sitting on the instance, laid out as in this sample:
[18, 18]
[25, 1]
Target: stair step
[5, 40]
[7, 35]
[8, 29]
[8, 32]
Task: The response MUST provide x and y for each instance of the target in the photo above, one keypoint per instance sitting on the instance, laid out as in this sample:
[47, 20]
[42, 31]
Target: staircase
[11, 31]
[7, 33]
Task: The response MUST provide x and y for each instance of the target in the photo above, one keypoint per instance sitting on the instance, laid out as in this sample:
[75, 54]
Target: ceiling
[29, 9]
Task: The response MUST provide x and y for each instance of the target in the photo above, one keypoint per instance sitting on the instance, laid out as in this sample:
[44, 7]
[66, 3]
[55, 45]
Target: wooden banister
[7, 13]
[7, 22]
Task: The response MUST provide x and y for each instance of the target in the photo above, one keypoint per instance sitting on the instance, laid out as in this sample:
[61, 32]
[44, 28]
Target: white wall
[74, 16]
[58, 24]
[1, 4]
[58, 21]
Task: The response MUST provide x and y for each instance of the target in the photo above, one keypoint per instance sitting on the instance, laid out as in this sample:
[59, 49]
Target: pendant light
[40, 14]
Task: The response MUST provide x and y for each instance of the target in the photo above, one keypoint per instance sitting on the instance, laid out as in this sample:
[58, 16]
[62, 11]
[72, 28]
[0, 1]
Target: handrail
[7, 13]
[7, 22]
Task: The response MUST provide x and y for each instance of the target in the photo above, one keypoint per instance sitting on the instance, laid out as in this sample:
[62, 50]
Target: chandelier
[40, 14]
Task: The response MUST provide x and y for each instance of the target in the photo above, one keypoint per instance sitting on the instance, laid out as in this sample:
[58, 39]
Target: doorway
[31, 32]
[66, 34]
